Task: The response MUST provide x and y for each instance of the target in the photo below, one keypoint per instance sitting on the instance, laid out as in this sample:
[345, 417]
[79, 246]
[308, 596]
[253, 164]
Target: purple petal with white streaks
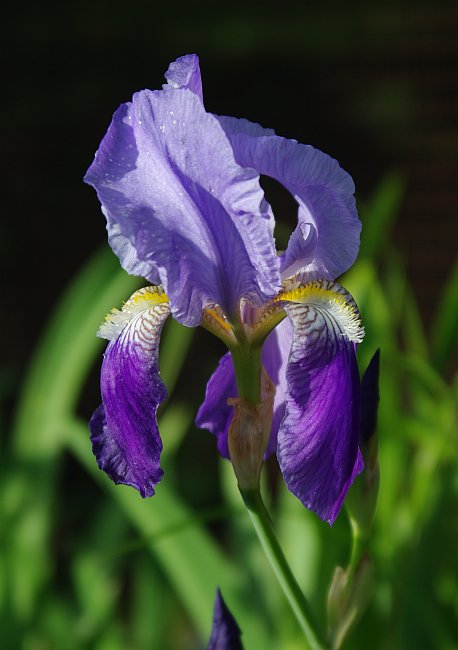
[124, 433]
[325, 242]
[180, 209]
[318, 439]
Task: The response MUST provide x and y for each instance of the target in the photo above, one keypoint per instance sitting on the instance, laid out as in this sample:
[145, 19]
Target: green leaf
[51, 390]
[445, 325]
[192, 562]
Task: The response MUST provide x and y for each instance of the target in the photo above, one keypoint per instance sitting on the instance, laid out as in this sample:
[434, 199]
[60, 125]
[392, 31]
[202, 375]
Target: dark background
[373, 84]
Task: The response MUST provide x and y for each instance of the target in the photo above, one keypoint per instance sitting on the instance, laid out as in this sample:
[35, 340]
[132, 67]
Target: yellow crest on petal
[152, 297]
[331, 298]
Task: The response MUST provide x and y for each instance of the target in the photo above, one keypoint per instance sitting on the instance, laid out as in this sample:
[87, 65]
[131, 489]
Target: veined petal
[185, 73]
[127, 253]
[181, 207]
[124, 432]
[325, 242]
[215, 414]
[318, 437]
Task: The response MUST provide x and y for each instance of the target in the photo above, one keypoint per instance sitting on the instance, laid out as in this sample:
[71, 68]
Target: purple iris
[180, 191]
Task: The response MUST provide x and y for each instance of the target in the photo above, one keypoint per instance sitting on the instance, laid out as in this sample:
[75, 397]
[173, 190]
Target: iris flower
[180, 191]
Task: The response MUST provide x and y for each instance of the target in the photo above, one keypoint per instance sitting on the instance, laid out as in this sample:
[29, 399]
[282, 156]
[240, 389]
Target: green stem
[359, 545]
[269, 542]
[247, 367]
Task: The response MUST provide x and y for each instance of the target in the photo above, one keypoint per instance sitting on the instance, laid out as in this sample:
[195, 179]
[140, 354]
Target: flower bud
[348, 597]
[361, 500]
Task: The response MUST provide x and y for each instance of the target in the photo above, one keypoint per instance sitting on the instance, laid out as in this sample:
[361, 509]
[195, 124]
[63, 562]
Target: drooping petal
[318, 439]
[179, 206]
[215, 414]
[225, 633]
[124, 432]
[325, 242]
[185, 73]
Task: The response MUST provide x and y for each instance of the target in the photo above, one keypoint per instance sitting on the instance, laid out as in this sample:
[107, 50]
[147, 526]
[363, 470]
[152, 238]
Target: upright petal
[215, 414]
[179, 204]
[325, 242]
[124, 432]
[185, 73]
[318, 438]
[225, 631]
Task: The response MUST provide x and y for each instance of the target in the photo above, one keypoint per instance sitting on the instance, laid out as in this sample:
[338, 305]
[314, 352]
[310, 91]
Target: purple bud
[370, 398]
[225, 631]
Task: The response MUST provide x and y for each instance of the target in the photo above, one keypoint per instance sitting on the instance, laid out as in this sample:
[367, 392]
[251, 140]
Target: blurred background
[376, 86]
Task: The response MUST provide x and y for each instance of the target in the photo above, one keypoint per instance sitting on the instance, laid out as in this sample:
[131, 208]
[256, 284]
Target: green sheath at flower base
[249, 434]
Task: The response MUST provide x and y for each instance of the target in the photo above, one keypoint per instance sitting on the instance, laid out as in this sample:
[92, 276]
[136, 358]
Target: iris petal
[180, 207]
[185, 73]
[318, 438]
[124, 432]
[214, 413]
[325, 242]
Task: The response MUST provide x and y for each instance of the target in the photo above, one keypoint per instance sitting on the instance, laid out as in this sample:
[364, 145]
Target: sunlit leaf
[445, 325]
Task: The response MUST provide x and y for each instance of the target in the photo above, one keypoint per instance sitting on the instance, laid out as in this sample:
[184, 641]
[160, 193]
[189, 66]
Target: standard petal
[318, 438]
[325, 242]
[185, 73]
[169, 185]
[225, 633]
[215, 414]
[124, 432]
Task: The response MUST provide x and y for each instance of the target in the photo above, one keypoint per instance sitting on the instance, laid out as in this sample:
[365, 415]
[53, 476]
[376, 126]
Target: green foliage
[85, 564]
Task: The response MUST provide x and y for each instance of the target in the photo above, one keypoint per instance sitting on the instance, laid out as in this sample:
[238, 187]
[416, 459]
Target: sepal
[318, 438]
[124, 432]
